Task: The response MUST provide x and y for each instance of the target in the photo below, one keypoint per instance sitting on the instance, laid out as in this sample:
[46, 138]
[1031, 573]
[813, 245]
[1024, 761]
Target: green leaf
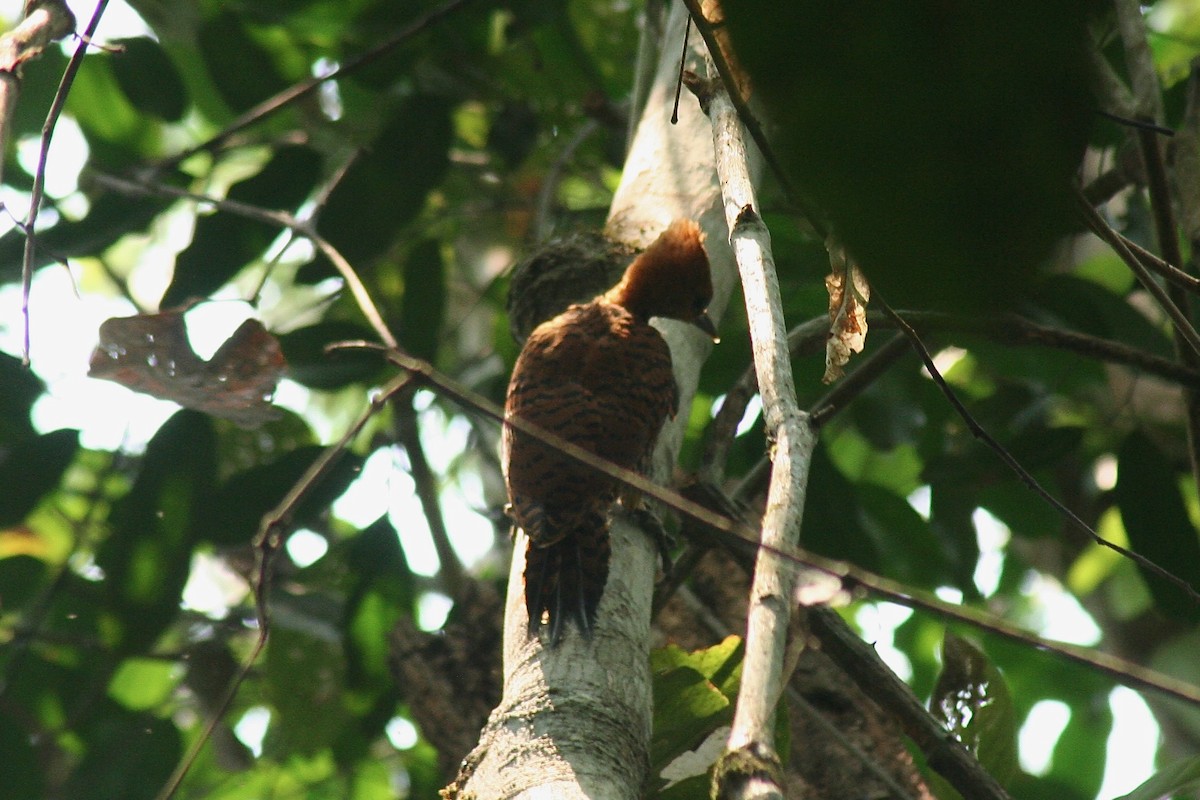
[693, 696]
[382, 591]
[906, 544]
[244, 73]
[147, 557]
[939, 140]
[1179, 779]
[386, 187]
[19, 388]
[224, 243]
[39, 83]
[687, 706]
[243, 499]
[129, 755]
[309, 364]
[423, 309]
[972, 700]
[23, 778]
[149, 78]
[1157, 523]
[31, 469]
[830, 526]
[304, 679]
[21, 577]
[110, 217]
[143, 684]
[116, 132]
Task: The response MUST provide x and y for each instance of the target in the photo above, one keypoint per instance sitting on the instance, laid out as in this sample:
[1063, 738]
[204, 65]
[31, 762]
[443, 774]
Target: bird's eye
[699, 304]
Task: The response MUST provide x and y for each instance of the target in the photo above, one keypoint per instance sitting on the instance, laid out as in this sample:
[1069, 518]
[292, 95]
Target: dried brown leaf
[847, 312]
[150, 353]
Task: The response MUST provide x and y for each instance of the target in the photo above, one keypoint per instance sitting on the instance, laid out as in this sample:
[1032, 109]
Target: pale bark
[751, 741]
[574, 721]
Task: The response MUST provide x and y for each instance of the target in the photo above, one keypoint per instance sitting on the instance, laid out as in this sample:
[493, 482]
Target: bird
[599, 376]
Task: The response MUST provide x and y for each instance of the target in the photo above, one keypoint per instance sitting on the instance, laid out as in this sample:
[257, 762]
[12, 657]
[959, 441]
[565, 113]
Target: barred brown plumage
[599, 376]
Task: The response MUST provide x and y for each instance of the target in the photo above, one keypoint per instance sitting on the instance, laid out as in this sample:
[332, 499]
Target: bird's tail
[565, 579]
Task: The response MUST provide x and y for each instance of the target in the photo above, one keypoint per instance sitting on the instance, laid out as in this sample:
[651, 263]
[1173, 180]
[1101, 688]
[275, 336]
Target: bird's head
[670, 278]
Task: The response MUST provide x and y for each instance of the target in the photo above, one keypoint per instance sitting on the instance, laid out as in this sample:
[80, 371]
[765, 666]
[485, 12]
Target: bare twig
[705, 28]
[272, 532]
[44, 22]
[742, 538]
[39, 178]
[293, 93]
[979, 432]
[1101, 228]
[788, 429]
[857, 381]
[451, 573]
[283, 220]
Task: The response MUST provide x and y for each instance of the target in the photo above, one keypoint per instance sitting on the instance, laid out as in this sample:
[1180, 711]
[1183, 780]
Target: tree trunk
[575, 720]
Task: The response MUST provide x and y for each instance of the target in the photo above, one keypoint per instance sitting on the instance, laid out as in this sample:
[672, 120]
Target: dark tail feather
[566, 579]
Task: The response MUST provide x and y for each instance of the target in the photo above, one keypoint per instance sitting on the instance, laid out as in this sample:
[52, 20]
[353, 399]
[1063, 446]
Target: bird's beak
[704, 323]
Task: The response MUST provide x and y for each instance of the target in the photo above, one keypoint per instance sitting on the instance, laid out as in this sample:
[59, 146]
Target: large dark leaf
[304, 679]
[242, 500]
[424, 305]
[19, 388]
[386, 187]
[242, 70]
[972, 700]
[149, 79]
[309, 364]
[23, 776]
[1157, 523]
[147, 556]
[31, 469]
[111, 216]
[830, 526]
[21, 576]
[224, 243]
[129, 755]
[382, 592]
[939, 139]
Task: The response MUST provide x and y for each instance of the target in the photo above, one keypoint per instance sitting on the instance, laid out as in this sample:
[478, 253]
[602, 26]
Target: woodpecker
[599, 376]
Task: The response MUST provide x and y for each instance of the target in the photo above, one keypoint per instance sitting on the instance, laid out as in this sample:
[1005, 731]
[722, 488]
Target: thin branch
[43, 23]
[1012, 329]
[409, 434]
[720, 433]
[1164, 267]
[725, 70]
[742, 538]
[293, 93]
[788, 429]
[1101, 228]
[281, 219]
[1139, 62]
[1167, 233]
[979, 432]
[861, 662]
[272, 532]
[850, 387]
[39, 178]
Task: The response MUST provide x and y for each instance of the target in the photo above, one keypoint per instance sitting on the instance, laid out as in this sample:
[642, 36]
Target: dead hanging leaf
[848, 296]
[150, 353]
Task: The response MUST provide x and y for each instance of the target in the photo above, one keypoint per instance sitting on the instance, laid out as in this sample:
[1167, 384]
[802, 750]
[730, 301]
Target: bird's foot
[647, 521]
